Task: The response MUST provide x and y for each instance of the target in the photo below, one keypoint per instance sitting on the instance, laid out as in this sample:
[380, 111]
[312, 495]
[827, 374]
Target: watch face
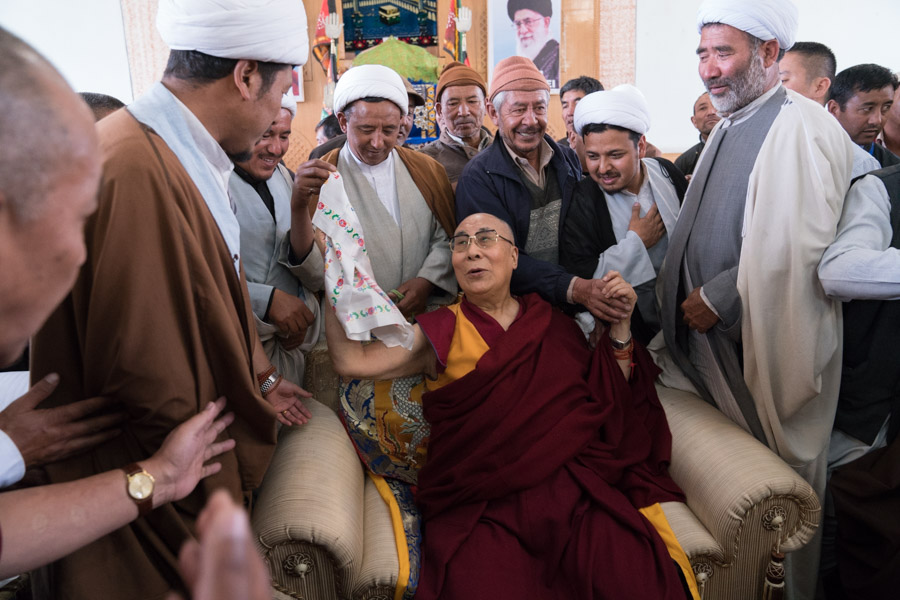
[140, 486]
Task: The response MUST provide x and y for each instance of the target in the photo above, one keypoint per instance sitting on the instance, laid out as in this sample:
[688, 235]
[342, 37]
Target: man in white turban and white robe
[743, 312]
[160, 318]
[620, 215]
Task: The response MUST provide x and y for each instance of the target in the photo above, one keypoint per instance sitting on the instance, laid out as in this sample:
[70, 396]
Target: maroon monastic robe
[538, 461]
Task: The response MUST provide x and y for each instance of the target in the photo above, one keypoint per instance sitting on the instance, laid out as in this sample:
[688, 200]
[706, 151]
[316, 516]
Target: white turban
[264, 30]
[765, 19]
[289, 104]
[370, 81]
[622, 106]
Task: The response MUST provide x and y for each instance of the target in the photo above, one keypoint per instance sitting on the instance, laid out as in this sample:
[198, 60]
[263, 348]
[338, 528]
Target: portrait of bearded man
[535, 35]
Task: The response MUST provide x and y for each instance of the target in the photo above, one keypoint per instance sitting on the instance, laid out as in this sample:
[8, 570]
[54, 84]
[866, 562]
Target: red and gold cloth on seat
[539, 461]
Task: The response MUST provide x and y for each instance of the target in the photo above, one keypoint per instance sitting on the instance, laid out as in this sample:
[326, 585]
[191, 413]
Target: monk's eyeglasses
[484, 239]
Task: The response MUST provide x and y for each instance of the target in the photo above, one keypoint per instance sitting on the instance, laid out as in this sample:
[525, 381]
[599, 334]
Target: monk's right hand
[308, 180]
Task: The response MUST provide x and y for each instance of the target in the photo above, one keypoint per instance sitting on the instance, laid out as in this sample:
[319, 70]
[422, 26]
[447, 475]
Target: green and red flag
[321, 46]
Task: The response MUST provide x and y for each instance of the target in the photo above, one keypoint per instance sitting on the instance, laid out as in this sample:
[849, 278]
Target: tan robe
[159, 321]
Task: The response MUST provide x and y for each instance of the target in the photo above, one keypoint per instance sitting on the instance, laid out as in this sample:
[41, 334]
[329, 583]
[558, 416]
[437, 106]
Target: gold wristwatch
[139, 485]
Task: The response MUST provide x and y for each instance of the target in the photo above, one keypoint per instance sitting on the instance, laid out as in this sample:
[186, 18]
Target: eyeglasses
[484, 239]
[526, 23]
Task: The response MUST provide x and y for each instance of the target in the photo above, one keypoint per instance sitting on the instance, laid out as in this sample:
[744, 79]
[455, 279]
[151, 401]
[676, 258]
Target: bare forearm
[375, 360]
[344, 352]
[302, 238]
[301, 227]
[42, 524]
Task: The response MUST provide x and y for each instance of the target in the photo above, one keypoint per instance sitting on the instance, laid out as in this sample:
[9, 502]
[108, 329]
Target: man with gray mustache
[528, 180]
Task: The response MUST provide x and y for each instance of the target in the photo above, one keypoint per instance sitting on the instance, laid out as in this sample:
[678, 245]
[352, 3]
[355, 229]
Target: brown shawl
[159, 321]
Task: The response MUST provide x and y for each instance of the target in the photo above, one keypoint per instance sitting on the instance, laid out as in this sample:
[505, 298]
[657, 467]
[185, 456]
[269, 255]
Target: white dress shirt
[382, 179]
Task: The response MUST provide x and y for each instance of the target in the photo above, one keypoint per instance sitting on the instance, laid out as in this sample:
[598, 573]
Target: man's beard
[538, 42]
[743, 87]
[241, 157]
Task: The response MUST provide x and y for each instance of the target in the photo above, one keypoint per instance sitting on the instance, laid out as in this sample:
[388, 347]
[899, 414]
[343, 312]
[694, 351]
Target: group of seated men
[200, 275]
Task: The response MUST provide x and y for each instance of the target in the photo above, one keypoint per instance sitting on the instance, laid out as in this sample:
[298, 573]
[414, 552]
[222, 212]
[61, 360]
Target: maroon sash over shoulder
[538, 461]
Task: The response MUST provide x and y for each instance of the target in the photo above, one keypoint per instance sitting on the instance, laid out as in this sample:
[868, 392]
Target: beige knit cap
[517, 73]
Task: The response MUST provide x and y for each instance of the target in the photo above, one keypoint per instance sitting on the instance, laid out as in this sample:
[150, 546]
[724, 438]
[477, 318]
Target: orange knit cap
[517, 73]
[456, 73]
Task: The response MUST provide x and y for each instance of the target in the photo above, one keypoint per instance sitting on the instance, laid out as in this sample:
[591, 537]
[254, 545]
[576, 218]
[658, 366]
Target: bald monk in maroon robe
[547, 460]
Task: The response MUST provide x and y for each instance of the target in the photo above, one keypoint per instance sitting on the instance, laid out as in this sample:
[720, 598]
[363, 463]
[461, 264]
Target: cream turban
[622, 106]
[265, 30]
[765, 19]
[370, 81]
[289, 104]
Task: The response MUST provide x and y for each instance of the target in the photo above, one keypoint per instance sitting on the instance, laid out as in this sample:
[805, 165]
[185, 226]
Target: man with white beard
[743, 312]
[531, 20]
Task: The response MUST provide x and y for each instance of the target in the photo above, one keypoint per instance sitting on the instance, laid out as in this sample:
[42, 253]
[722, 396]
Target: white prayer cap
[765, 19]
[264, 30]
[288, 103]
[370, 81]
[622, 106]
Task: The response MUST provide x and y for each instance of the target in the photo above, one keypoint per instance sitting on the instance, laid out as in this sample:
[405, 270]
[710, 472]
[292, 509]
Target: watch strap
[619, 344]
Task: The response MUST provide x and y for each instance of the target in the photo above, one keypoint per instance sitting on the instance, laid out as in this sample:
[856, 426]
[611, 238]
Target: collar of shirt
[484, 140]
[382, 169]
[748, 111]
[382, 179]
[247, 176]
[209, 148]
[536, 177]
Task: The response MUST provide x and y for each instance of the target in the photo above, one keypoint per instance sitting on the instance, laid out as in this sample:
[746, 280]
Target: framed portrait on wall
[529, 28]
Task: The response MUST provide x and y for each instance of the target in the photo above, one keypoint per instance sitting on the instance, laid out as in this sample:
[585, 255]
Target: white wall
[666, 70]
[84, 39]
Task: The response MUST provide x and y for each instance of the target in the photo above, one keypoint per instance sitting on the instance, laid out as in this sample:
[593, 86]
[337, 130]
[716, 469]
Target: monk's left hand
[415, 296]
[286, 399]
[616, 288]
[697, 315]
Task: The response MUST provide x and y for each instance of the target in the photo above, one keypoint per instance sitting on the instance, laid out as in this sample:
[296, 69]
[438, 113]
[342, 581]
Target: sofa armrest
[727, 476]
[313, 494]
[693, 536]
[380, 569]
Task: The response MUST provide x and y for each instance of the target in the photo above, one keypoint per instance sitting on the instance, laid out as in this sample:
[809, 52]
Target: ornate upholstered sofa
[325, 533]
